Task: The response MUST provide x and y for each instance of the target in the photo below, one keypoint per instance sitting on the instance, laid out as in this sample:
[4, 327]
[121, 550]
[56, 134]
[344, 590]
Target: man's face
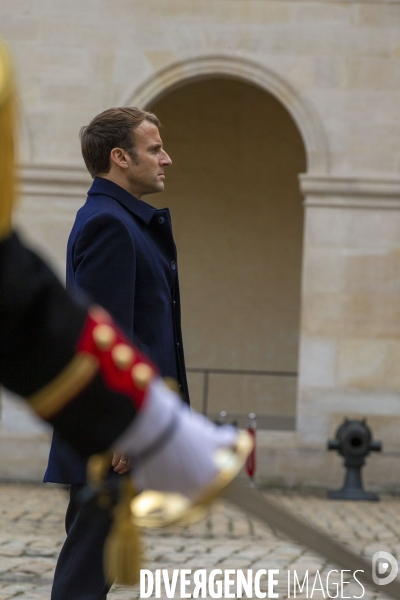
[145, 173]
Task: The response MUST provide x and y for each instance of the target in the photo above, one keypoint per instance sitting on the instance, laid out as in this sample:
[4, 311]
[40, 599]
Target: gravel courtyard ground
[32, 531]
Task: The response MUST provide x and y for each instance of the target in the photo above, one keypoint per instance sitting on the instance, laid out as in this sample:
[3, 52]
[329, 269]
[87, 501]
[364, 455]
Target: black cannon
[354, 442]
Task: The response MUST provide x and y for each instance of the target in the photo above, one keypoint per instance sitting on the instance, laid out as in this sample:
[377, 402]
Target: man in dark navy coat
[122, 254]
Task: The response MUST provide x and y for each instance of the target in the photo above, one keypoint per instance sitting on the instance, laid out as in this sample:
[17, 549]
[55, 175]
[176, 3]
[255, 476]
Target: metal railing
[207, 372]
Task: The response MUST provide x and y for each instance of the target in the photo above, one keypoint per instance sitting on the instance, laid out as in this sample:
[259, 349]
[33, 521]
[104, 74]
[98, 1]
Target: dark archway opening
[237, 213]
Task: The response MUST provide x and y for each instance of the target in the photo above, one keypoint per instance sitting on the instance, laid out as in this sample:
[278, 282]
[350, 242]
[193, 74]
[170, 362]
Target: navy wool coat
[122, 254]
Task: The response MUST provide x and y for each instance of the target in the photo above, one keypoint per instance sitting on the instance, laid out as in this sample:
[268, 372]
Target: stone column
[350, 323]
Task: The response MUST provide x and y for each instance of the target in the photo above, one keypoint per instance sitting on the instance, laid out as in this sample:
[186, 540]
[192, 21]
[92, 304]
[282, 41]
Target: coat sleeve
[68, 360]
[104, 261]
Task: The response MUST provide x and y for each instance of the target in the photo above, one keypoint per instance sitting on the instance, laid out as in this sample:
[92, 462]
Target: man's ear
[119, 157]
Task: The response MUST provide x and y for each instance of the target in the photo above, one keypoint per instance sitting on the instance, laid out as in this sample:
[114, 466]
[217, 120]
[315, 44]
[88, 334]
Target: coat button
[177, 344]
[161, 220]
[173, 265]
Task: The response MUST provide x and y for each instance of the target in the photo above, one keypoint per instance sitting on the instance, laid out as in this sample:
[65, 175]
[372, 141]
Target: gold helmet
[7, 187]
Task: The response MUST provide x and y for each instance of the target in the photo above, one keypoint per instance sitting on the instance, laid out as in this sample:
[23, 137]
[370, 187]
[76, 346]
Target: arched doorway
[238, 220]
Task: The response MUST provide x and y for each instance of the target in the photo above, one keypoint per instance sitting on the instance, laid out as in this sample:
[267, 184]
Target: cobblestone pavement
[31, 533]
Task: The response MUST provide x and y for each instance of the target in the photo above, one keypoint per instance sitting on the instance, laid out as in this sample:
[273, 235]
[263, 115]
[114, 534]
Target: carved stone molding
[54, 180]
[350, 192]
[303, 112]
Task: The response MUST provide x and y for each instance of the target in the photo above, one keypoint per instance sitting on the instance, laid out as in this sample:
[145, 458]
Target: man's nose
[165, 159]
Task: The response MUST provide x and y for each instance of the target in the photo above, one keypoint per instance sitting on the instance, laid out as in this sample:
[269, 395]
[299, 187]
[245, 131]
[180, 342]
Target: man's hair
[113, 128]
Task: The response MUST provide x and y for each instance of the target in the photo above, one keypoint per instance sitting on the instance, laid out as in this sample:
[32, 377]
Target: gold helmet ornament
[7, 118]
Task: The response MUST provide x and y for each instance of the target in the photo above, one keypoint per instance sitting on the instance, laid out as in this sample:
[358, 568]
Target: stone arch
[302, 112]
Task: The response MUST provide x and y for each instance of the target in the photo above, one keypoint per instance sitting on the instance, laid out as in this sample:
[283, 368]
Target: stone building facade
[282, 118]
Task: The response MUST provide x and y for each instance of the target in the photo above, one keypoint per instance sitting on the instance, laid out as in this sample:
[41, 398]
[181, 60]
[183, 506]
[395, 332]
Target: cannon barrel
[353, 441]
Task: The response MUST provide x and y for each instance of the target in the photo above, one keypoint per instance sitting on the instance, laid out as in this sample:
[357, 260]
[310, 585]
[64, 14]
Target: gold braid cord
[54, 396]
[7, 118]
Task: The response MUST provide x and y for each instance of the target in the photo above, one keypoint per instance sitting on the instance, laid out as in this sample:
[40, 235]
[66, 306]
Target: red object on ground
[251, 461]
